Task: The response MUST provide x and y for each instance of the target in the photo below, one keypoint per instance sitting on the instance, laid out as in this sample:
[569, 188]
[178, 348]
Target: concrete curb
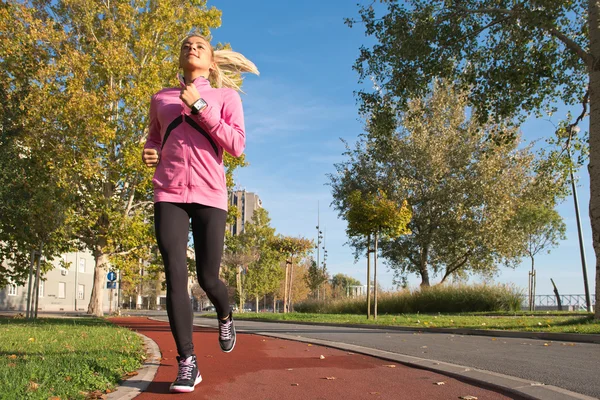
[133, 386]
[558, 337]
[528, 389]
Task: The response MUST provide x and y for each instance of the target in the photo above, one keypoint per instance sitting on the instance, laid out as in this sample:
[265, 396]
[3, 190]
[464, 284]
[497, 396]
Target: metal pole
[29, 284]
[581, 246]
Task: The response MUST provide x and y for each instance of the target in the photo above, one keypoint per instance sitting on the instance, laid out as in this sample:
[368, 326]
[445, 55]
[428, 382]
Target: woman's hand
[150, 157]
[189, 95]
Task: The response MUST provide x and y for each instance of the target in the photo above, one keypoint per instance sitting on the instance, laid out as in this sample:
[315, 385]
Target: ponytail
[229, 66]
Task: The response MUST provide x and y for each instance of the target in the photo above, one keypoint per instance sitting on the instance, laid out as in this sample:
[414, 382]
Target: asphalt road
[572, 366]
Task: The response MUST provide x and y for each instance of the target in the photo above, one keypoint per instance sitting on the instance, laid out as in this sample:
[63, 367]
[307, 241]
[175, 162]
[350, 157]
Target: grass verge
[65, 358]
[536, 322]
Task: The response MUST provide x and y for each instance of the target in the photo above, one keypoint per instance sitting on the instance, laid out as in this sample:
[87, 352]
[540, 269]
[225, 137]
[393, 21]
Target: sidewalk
[268, 368]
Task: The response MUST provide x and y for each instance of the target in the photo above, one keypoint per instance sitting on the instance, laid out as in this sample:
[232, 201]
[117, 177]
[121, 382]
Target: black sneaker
[227, 334]
[187, 377]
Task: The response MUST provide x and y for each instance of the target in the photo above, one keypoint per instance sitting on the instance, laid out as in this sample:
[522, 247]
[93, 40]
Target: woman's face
[196, 54]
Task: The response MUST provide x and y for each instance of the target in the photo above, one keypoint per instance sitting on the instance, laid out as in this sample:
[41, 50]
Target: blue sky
[303, 103]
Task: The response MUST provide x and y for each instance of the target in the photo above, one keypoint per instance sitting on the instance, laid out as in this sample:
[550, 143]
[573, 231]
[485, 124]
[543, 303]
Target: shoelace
[186, 367]
[225, 329]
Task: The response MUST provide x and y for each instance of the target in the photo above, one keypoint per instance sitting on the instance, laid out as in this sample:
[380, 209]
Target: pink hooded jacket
[191, 146]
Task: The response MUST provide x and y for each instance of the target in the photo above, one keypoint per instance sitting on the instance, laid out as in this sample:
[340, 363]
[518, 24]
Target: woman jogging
[190, 127]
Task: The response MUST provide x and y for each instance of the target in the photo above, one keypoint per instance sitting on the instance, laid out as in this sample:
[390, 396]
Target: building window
[80, 292]
[62, 288]
[82, 265]
[41, 290]
[12, 290]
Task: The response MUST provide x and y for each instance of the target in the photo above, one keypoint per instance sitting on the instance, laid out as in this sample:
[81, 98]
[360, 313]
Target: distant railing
[575, 302]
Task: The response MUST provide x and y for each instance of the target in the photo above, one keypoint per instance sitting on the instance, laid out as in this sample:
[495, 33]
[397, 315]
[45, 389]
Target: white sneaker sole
[185, 389]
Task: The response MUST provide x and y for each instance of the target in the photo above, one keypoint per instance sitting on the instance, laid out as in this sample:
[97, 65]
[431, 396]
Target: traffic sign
[111, 276]
[111, 285]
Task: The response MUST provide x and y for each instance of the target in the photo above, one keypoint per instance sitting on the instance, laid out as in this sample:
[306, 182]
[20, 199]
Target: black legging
[171, 221]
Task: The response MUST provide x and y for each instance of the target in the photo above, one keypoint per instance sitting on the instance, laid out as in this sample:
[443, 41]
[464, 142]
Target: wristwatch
[198, 106]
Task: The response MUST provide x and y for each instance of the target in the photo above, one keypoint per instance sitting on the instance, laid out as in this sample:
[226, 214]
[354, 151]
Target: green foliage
[315, 276]
[264, 274]
[462, 188]
[374, 213]
[340, 284]
[513, 57]
[541, 228]
[437, 299]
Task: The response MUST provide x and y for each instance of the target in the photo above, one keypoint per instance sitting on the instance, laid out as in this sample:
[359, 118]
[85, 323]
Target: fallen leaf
[539, 323]
[33, 386]
[350, 354]
[439, 383]
[322, 357]
[295, 384]
[11, 365]
[54, 398]
[12, 356]
[95, 395]
[483, 324]
[309, 345]
[423, 347]
[290, 369]
[208, 356]
[67, 378]
[494, 339]
[546, 344]
[468, 398]
[132, 373]
[330, 378]
[390, 366]
[31, 339]
[373, 392]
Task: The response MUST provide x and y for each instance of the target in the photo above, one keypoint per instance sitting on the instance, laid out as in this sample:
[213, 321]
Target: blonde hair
[229, 66]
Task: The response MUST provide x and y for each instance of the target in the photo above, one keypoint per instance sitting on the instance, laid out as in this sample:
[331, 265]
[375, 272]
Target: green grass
[537, 322]
[64, 358]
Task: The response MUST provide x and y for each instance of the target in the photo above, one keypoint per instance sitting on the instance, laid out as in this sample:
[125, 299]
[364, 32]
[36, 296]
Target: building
[61, 289]
[246, 203]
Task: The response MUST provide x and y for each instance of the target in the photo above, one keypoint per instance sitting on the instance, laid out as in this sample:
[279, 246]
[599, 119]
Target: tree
[315, 277]
[238, 255]
[541, 228]
[293, 249]
[371, 215]
[341, 283]
[463, 189]
[516, 58]
[34, 203]
[107, 59]
[264, 274]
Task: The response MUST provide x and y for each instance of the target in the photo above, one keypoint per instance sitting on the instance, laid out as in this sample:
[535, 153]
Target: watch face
[198, 105]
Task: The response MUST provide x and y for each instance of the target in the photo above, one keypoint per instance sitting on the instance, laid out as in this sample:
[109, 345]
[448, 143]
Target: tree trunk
[256, 303]
[375, 277]
[423, 268]
[285, 290]
[95, 306]
[558, 303]
[594, 138]
[369, 277]
[274, 304]
[238, 282]
[290, 298]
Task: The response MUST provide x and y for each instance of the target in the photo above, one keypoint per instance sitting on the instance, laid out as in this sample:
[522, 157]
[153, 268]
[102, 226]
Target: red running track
[274, 369]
